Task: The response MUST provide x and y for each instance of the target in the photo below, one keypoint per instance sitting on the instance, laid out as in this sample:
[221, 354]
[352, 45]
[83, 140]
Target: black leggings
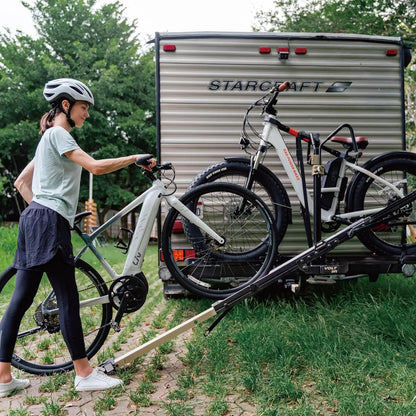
[62, 278]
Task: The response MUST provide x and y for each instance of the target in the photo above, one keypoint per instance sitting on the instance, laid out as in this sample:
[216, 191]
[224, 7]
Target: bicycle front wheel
[40, 347]
[205, 267]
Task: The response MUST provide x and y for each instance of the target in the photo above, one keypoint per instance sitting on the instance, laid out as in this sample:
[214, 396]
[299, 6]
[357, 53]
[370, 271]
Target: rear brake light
[391, 52]
[169, 48]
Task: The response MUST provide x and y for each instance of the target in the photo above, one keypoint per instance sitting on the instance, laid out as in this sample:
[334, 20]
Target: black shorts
[43, 233]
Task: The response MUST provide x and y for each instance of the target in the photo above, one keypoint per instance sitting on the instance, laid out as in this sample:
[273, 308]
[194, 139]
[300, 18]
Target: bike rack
[279, 273]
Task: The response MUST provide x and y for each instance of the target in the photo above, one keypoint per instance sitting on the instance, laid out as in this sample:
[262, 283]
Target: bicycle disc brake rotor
[133, 289]
[48, 321]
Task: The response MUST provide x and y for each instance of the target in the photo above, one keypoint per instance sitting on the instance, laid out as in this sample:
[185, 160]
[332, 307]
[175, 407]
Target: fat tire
[100, 288]
[266, 185]
[221, 266]
[384, 242]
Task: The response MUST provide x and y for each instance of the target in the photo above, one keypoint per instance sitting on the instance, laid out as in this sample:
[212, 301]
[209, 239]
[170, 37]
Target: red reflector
[265, 49]
[169, 48]
[283, 50]
[177, 227]
[180, 254]
[391, 52]
[300, 51]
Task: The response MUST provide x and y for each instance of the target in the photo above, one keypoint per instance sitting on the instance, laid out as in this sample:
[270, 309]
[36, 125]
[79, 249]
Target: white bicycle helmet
[67, 88]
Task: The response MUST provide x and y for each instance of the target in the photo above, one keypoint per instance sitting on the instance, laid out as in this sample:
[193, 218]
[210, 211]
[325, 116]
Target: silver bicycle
[216, 239]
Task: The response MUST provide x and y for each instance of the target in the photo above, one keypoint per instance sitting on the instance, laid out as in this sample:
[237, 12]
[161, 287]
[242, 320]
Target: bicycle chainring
[132, 288]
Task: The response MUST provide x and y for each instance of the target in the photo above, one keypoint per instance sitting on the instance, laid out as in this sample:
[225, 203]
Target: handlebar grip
[284, 86]
[144, 160]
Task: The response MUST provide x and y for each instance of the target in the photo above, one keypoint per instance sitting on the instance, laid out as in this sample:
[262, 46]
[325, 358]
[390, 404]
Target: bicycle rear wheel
[40, 348]
[203, 266]
[397, 236]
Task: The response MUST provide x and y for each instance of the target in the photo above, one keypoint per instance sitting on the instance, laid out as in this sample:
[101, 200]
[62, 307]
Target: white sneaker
[97, 380]
[11, 386]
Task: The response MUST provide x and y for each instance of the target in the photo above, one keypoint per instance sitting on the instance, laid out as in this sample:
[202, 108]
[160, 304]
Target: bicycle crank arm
[278, 273]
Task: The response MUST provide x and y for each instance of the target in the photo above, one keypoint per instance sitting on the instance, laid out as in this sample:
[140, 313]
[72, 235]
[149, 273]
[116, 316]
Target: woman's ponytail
[47, 120]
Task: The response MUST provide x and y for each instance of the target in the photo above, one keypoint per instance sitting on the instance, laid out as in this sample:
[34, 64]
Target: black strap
[305, 208]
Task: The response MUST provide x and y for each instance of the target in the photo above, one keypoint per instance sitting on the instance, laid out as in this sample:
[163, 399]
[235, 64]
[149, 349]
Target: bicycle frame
[151, 200]
[272, 136]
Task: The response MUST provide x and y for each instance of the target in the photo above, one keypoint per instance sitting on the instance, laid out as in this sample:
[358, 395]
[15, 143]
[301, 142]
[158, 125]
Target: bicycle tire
[266, 185]
[45, 352]
[394, 237]
[201, 265]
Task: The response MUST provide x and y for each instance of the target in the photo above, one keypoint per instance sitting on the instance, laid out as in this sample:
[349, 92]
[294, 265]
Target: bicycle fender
[369, 165]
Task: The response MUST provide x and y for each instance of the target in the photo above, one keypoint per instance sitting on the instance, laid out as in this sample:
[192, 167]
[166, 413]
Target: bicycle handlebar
[269, 107]
[144, 161]
[284, 86]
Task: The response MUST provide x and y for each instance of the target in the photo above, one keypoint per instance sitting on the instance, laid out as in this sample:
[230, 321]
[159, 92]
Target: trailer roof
[279, 35]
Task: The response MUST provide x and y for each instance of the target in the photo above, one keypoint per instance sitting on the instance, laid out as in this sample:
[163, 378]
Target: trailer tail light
[283, 53]
[177, 227]
[180, 254]
[265, 49]
[391, 52]
[300, 51]
[169, 48]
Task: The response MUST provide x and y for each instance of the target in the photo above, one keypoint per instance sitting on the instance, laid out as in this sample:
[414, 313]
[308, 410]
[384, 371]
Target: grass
[8, 244]
[349, 353]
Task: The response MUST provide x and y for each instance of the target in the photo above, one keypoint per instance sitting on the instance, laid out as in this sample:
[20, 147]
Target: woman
[50, 184]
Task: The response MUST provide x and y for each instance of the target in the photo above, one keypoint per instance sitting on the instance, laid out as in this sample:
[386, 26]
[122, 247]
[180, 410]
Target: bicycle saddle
[362, 141]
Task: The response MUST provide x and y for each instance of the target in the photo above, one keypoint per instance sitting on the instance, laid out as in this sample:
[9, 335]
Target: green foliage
[97, 45]
[8, 243]
[373, 17]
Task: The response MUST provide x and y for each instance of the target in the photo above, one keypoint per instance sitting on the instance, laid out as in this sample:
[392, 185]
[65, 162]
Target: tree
[97, 46]
[373, 17]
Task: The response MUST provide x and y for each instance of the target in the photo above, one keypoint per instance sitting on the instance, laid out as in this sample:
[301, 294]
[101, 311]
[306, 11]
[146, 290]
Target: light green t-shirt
[56, 179]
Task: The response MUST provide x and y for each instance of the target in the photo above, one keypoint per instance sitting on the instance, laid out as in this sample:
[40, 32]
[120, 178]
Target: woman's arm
[101, 166]
[24, 182]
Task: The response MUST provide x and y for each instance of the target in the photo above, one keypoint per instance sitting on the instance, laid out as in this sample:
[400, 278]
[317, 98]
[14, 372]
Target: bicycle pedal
[321, 280]
[115, 325]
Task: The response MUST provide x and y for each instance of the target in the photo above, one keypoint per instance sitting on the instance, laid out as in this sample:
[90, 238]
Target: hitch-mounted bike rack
[280, 272]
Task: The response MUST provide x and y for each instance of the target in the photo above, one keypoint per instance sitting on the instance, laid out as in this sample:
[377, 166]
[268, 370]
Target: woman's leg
[27, 283]
[62, 278]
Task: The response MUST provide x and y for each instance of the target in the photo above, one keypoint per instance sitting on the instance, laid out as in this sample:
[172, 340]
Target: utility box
[205, 82]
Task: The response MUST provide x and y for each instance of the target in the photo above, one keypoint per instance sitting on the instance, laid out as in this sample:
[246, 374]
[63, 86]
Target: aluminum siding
[206, 85]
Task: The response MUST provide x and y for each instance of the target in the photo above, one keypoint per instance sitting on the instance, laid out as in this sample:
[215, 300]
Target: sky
[162, 15]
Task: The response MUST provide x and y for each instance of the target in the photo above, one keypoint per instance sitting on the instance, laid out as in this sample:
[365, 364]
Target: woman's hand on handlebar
[147, 162]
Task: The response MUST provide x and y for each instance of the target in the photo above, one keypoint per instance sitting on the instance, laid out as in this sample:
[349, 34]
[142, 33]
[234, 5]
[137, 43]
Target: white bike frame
[272, 136]
[151, 200]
